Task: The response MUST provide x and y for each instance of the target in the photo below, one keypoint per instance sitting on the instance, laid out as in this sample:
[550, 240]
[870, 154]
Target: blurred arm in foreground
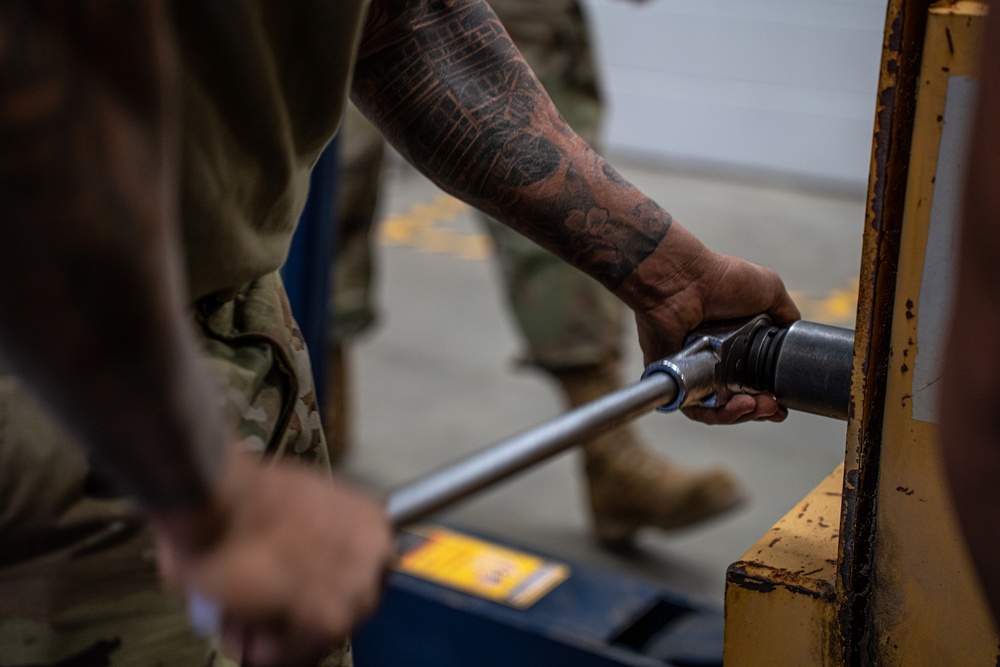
[93, 317]
[970, 432]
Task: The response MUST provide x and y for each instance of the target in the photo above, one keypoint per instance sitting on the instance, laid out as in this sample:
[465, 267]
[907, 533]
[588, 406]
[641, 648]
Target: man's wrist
[675, 265]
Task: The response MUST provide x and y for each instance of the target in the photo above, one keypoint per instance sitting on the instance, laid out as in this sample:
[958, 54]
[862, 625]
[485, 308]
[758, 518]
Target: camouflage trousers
[78, 581]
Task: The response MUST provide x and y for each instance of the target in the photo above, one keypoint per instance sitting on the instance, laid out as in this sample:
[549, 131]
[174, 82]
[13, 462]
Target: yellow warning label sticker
[481, 568]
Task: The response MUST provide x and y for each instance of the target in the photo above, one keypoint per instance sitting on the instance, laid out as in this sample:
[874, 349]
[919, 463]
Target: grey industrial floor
[437, 378]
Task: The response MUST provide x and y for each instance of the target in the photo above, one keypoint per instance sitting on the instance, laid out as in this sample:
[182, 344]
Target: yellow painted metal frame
[926, 602]
[869, 568]
[780, 604]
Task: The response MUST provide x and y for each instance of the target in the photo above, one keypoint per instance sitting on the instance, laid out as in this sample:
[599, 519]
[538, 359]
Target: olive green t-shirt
[263, 86]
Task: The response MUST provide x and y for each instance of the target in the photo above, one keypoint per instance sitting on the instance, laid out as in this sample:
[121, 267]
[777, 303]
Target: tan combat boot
[336, 413]
[629, 486]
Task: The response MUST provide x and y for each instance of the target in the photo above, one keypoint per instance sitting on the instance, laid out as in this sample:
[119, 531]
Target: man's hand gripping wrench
[807, 367]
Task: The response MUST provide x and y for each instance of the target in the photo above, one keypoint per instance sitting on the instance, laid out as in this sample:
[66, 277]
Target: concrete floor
[437, 378]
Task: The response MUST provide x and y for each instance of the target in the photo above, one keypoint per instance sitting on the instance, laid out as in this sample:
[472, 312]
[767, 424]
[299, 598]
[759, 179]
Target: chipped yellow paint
[928, 604]
[780, 597]
[923, 606]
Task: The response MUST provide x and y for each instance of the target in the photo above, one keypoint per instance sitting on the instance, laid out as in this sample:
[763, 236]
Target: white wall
[772, 86]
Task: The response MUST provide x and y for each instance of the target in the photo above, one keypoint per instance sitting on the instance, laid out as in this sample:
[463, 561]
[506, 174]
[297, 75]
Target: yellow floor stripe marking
[424, 227]
[839, 306]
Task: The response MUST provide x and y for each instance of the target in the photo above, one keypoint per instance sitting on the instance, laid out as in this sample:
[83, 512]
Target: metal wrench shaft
[473, 473]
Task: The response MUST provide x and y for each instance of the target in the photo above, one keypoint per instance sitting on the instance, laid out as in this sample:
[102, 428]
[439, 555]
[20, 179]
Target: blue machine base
[596, 618]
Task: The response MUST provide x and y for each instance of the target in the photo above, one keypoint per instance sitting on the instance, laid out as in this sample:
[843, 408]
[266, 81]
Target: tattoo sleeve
[448, 88]
[91, 313]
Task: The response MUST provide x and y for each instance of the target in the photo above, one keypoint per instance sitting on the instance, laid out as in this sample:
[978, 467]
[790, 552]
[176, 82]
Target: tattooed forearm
[91, 314]
[444, 82]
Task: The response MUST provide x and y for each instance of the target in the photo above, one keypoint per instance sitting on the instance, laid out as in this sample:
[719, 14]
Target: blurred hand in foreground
[292, 559]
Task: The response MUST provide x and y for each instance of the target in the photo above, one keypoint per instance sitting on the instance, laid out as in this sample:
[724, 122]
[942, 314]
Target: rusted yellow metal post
[780, 605]
[924, 601]
[869, 568]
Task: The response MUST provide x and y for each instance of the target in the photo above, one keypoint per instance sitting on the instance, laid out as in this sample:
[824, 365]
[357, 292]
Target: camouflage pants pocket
[259, 358]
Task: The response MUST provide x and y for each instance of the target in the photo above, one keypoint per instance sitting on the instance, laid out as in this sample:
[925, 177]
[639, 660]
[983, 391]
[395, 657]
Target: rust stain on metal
[895, 106]
[797, 556]
[765, 580]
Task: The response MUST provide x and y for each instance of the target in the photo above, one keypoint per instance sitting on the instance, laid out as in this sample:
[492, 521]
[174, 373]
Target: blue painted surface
[306, 271]
[596, 618]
